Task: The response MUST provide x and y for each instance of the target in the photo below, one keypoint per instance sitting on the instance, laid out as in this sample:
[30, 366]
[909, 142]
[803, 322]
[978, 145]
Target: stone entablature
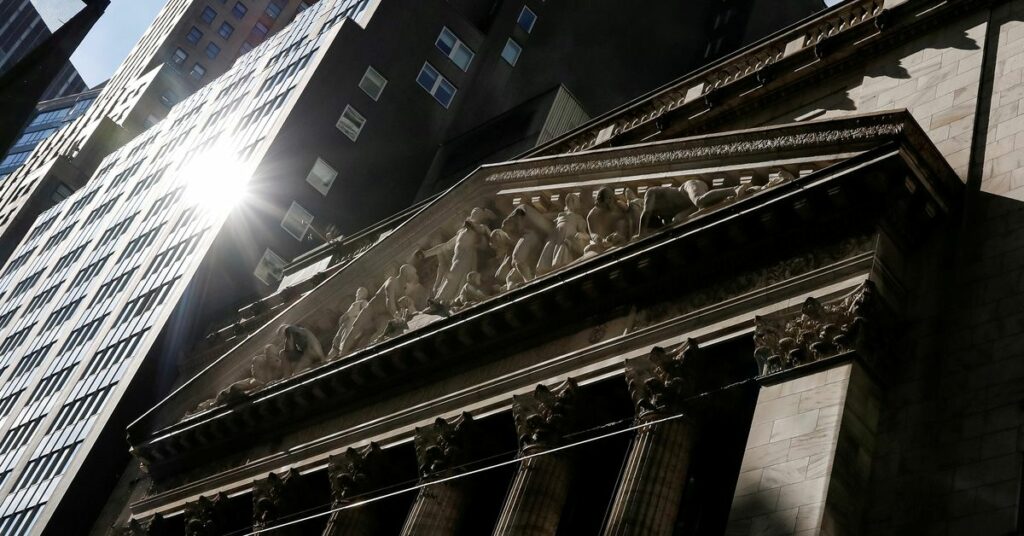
[864, 142]
[848, 32]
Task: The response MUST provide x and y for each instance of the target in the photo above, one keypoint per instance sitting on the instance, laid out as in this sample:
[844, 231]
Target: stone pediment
[516, 248]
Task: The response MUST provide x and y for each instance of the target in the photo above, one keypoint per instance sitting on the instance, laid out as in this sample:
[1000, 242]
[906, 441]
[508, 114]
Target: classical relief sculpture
[372, 321]
[348, 319]
[299, 350]
[665, 204]
[527, 229]
[569, 238]
[479, 262]
[462, 255]
[818, 332]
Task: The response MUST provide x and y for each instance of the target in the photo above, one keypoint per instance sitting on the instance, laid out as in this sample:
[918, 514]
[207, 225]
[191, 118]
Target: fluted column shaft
[653, 478]
[536, 498]
[437, 510]
[357, 521]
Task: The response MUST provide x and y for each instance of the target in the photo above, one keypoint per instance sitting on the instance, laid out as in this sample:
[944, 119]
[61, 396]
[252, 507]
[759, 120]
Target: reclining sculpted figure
[666, 204]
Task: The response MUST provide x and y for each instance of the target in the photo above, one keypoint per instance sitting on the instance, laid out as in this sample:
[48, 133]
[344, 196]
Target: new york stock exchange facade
[782, 295]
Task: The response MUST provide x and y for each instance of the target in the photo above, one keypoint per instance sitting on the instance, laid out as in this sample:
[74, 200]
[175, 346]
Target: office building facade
[141, 92]
[50, 116]
[779, 295]
[22, 30]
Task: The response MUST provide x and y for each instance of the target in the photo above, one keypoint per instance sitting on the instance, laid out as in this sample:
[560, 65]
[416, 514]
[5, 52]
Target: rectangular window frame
[438, 81]
[373, 79]
[528, 28]
[452, 50]
[512, 44]
[351, 122]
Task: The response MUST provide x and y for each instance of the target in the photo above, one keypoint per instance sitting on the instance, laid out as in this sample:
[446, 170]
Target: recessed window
[527, 18]
[246, 47]
[351, 122]
[303, 6]
[274, 9]
[270, 269]
[168, 99]
[226, 30]
[372, 83]
[179, 56]
[435, 84]
[208, 15]
[260, 30]
[321, 176]
[239, 10]
[511, 52]
[212, 50]
[194, 35]
[297, 221]
[454, 48]
[197, 71]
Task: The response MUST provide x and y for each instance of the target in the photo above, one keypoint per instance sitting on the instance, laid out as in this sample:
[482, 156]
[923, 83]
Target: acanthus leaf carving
[270, 497]
[663, 381]
[354, 471]
[443, 446]
[818, 332]
[544, 416]
[202, 516]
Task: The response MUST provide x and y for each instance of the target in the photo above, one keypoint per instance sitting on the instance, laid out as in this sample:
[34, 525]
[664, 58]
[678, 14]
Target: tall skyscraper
[50, 116]
[342, 117]
[21, 29]
[187, 45]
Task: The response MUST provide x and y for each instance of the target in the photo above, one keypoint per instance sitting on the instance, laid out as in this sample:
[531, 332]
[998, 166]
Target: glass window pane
[321, 176]
[511, 52]
[526, 20]
[446, 41]
[462, 57]
[372, 83]
[351, 122]
[427, 77]
[297, 221]
[445, 92]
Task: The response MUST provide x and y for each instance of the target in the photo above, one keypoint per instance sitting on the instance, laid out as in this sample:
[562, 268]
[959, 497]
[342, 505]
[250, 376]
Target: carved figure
[347, 320]
[464, 255]
[670, 205]
[609, 223]
[301, 350]
[383, 307]
[569, 238]
[472, 292]
[528, 229]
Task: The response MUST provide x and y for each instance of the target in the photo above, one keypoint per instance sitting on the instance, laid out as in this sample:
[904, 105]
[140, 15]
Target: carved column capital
[270, 497]
[542, 417]
[352, 472]
[202, 516]
[663, 381]
[149, 526]
[443, 446]
[819, 331]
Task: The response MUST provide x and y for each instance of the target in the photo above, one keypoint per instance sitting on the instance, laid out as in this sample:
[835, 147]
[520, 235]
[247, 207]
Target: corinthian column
[652, 481]
[541, 484]
[440, 451]
[352, 474]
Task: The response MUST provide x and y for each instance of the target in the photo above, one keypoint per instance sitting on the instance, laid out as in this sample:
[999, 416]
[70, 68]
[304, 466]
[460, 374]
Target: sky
[110, 40]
